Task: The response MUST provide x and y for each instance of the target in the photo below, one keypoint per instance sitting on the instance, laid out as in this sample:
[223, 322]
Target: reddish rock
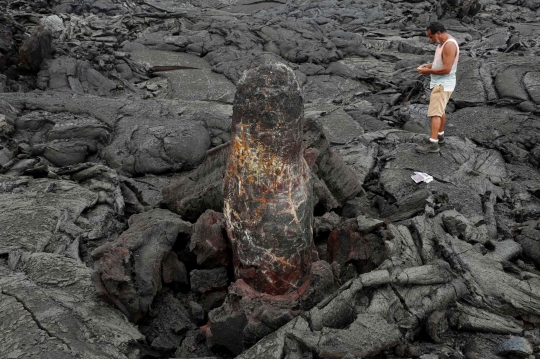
[208, 241]
[251, 315]
[348, 244]
[174, 271]
[36, 48]
[268, 201]
[128, 271]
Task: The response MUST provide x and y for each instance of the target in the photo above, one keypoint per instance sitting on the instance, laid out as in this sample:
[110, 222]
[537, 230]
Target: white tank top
[448, 81]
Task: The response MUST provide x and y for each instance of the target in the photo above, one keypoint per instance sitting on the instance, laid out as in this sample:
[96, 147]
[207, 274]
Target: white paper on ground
[421, 177]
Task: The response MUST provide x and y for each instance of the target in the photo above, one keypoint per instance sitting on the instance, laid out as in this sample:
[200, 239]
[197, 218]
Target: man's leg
[432, 145]
[442, 142]
[436, 124]
[436, 107]
[443, 120]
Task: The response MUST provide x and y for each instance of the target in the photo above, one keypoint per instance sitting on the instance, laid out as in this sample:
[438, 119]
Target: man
[442, 84]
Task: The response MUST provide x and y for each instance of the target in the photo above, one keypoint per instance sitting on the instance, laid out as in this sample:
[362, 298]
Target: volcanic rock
[47, 216]
[128, 270]
[351, 244]
[117, 108]
[204, 280]
[516, 347]
[267, 189]
[174, 271]
[50, 307]
[171, 322]
[208, 241]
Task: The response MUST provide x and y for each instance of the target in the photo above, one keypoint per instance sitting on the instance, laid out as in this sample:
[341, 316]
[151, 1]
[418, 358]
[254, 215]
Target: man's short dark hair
[435, 27]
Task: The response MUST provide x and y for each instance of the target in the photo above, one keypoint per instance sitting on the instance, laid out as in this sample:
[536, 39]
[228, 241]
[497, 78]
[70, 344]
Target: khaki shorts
[437, 101]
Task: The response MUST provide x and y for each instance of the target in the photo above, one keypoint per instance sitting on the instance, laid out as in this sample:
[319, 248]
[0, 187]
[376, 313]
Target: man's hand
[424, 69]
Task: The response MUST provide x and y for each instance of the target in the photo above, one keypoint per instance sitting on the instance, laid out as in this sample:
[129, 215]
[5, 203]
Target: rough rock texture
[335, 176]
[149, 138]
[46, 220]
[248, 315]
[267, 189]
[128, 270]
[50, 308]
[334, 182]
[209, 242]
[201, 189]
[110, 110]
[168, 324]
[36, 48]
[351, 243]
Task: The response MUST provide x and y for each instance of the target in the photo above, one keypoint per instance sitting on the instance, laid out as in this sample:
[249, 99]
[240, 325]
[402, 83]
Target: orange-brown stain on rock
[267, 190]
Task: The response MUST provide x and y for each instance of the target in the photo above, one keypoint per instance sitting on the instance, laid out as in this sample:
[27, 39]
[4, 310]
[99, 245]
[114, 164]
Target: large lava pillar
[267, 189]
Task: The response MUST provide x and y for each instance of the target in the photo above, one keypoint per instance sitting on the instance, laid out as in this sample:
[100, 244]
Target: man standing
[443, 82]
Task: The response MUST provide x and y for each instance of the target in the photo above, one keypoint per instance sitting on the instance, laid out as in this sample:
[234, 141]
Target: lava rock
[128, 271]
[171, 322]
[208, 241]
[267, 191]
[515, 346]
[348, 244]
[174, 271]
[30, 293]
[194, 346]
[227, 328]
[36, 48]
[204, 280]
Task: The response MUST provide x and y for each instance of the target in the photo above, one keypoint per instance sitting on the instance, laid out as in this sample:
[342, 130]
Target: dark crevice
[401, 299]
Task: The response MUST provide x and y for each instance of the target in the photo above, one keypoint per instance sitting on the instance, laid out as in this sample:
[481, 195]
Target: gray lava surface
[115, 124]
